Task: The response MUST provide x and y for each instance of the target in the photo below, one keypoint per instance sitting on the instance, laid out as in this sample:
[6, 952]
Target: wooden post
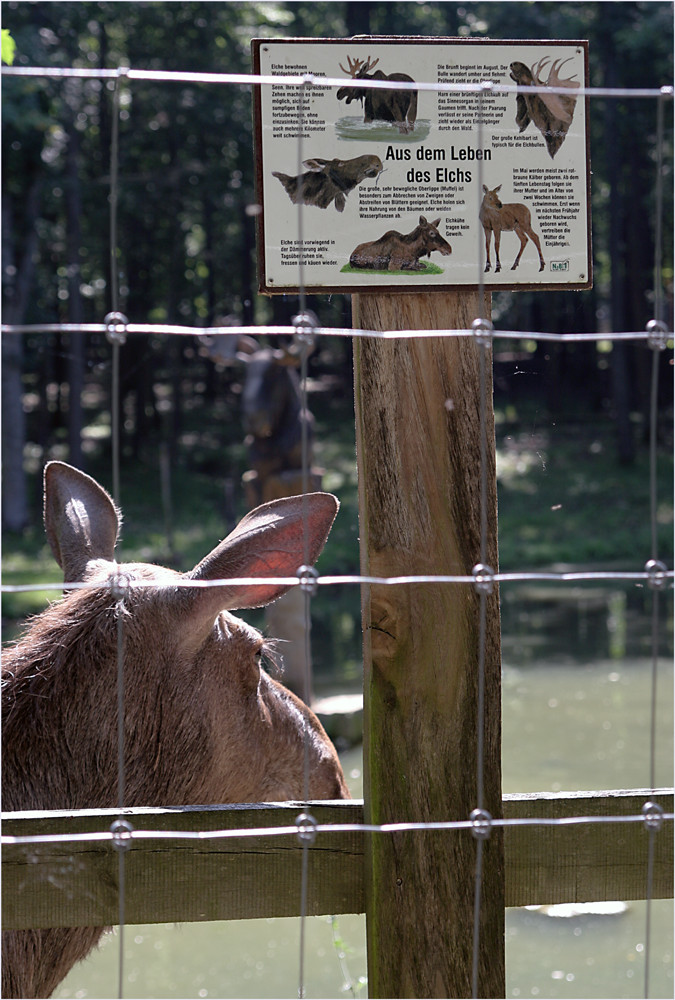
[418, 445]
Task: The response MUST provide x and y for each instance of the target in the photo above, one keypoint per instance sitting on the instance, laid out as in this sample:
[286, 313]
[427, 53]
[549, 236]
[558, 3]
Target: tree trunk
[75, 366]
[17, 284]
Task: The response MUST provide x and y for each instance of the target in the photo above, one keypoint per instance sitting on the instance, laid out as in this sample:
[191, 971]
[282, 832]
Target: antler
[561, 105]
[554, 78]
[536, 70]
[354, 66]
[369, 65]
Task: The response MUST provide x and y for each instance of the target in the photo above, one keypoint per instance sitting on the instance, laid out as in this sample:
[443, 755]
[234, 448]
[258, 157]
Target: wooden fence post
[418, 445]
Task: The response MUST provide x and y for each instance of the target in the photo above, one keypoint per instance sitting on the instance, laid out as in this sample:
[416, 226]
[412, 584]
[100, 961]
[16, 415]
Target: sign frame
[571, 181]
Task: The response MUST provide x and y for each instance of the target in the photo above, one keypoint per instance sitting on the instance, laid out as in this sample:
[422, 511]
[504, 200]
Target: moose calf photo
[498, 217]
[401, 252]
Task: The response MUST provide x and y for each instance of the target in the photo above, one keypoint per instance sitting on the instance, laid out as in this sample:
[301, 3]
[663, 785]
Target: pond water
[355, 128]
[576, 697]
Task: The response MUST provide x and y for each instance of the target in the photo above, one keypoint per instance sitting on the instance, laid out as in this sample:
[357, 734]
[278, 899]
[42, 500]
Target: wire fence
[655, 574]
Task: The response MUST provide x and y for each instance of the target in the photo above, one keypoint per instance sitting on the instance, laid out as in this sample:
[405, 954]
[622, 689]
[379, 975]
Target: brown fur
[498, 218]
[203, 723]
[329, 181]
[397, 106]
[551, 113]
[397, 252]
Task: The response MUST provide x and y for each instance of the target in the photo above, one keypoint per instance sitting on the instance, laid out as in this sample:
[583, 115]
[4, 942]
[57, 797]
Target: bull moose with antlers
[399, 106]
[551, 112]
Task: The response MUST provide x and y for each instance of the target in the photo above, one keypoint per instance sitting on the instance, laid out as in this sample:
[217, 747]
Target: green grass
[27, 561]
[427, 268]
[565, 499]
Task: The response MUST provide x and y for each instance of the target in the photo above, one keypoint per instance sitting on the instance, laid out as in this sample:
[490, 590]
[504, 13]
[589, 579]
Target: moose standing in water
[397, 252]
[203, 723]
[497, 218]
[398, 106]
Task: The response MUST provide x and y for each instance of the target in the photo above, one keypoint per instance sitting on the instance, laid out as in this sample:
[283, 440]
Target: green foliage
[564, 499]
[186, 168]
[8, 47]
[187, 255]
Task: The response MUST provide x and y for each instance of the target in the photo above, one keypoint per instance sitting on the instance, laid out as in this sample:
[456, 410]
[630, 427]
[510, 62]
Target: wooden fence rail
[66, 884]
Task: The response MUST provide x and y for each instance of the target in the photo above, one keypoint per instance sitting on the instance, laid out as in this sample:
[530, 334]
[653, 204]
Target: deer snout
[520, 73]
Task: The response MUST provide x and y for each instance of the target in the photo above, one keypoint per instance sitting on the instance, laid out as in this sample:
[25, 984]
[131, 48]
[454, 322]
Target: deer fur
[551, 113]
[498, 218]
[203, 723]
[329, 182]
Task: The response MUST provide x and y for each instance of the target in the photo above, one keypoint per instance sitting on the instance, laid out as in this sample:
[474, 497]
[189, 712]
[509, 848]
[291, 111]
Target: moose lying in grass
[203, 723]
[401, 252]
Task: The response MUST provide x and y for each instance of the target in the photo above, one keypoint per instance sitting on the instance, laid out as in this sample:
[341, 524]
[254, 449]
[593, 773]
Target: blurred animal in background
[276, 423]
[398, 106]
[397, 252]
[498, 218]
[329, 181]
[551, 113]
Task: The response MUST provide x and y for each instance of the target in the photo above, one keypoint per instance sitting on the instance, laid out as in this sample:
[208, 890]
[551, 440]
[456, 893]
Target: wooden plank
[419, 460]
[54, 885]
[586, 863]
[49, 885]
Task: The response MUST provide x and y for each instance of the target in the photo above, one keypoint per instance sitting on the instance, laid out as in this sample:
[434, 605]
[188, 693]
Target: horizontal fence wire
[655, 575]
[658, 337]
[309, 80]
[98, 836]
[656, 578]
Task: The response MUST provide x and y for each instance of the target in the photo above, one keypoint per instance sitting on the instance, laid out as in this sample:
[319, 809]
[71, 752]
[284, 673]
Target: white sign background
[436, 170]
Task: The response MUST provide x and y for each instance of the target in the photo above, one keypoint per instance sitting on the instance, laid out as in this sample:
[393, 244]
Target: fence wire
[305, 328]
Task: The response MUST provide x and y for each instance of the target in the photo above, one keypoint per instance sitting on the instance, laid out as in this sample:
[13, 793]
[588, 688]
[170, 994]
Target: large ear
[81, 520]
[317, 163]
[273, 540]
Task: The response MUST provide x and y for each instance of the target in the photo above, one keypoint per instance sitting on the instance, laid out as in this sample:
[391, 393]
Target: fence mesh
[655, 575]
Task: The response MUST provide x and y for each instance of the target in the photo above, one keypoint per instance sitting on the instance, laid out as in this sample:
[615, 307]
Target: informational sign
[420, 188]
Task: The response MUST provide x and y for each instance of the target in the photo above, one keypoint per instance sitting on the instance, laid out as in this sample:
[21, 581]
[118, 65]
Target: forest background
[571, 419]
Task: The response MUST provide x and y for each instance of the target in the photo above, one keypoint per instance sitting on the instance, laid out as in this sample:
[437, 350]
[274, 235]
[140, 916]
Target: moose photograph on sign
[415, 187]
